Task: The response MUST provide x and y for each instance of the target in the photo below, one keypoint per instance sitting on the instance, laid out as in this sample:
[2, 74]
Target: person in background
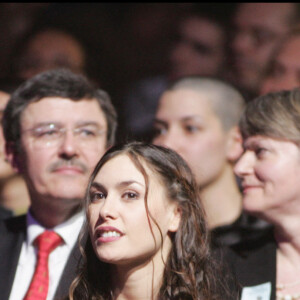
[198, 117]
[284, 70]
[5, 167]
[14, 198]
[14, 194]
[56, 125]
[148, 237]
[16, 20]
[258, 29]
[46, 49]
[198, 49]
[269, 266]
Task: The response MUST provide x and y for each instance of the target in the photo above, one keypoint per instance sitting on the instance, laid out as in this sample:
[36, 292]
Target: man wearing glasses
[56, 126]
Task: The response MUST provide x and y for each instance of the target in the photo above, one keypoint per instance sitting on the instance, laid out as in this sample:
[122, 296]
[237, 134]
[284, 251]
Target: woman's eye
[260, 152]
[130, 195]
[97, 196]
[157, 131]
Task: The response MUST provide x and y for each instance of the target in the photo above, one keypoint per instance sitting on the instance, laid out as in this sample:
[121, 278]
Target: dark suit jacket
[254, 262]
[244, 229]
[5, 213]
[12, 235]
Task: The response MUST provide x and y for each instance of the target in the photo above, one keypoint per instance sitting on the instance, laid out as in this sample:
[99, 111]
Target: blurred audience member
[284, 70]
[258, 29]
[197, 117]
[16, 20]
[14, 198]
[4, 165]
[269, 267]
[14, 195]
[198, 50]
[124, 42]
[5, 168]
[49, 49]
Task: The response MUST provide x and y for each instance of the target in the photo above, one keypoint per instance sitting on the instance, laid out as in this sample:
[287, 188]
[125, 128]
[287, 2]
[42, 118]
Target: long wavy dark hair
[190, 270]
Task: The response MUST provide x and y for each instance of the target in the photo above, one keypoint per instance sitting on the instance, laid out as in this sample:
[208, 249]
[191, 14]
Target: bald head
[198, 117]
[225, 100]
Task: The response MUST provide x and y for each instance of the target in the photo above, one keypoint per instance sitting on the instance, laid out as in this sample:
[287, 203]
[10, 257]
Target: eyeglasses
[52, 135]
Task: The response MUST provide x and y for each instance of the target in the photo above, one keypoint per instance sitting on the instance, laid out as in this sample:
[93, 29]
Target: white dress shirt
[69, 231]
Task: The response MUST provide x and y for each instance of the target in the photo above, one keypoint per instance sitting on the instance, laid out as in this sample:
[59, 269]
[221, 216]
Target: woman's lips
[247, 188]
[105, 234]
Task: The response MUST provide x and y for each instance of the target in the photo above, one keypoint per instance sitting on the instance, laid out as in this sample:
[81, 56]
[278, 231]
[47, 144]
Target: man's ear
[175, 219]
[12, 156]
[234, 147]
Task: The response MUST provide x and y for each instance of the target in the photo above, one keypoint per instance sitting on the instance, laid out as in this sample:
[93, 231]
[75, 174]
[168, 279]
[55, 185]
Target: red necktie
[45, 242]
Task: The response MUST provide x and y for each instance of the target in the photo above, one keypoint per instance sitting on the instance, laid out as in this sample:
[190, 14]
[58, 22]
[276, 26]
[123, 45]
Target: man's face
[285, 69]
[58, 165]
[186, 122]
[199, 50]
[259, 27]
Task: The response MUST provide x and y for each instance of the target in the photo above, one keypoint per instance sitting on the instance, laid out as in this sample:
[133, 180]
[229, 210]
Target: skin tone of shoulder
[270, 170]
[122, 232]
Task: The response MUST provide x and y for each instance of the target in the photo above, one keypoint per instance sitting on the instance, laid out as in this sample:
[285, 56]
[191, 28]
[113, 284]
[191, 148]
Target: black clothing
[5, 213]
[253, 262]
[245, 228]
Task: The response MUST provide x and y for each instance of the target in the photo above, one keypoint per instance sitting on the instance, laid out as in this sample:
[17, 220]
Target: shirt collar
[68, 230]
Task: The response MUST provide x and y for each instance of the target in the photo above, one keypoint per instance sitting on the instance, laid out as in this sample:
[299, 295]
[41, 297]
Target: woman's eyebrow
[130, 182]
[97, 185]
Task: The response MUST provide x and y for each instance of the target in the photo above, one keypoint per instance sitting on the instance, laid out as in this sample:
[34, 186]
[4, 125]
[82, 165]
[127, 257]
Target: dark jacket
[254, 263]
[244, 229]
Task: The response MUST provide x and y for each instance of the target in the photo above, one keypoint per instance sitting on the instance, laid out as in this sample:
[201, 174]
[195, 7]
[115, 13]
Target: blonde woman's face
[120, 229]
[270, 172]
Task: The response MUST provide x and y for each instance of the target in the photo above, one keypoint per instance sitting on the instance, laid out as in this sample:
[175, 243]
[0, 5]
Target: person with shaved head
[198, 117]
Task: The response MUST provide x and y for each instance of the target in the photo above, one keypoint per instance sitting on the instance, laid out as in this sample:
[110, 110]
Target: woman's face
[270, 173]
[119, 228]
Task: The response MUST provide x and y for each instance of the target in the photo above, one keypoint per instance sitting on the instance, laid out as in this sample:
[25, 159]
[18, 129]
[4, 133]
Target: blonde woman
[269, 168]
